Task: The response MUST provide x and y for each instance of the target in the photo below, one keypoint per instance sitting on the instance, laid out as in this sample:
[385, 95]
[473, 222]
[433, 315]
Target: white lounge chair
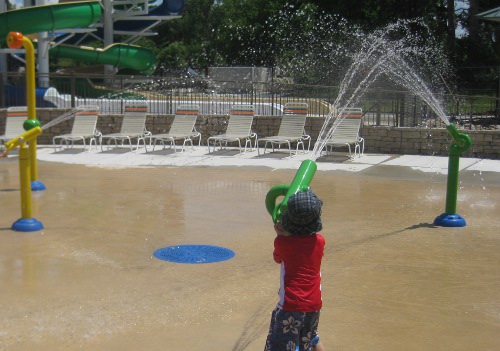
[84, 127]
[291, 129]
[16, 116]
[346, 132]
[133, 126]
[239, 127]
[183, 128]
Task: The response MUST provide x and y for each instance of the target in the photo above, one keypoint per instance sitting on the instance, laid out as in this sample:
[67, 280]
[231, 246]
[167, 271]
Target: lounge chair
[183, 128]
[238, 128]
[346, 132]
[84, 127]
[291, 129]
[14, 122]
[133, 126]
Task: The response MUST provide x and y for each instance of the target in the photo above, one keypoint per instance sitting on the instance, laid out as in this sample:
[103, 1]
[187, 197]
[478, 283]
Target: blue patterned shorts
[291, 331]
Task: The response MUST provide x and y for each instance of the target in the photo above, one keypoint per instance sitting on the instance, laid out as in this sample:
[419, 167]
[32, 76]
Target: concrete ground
[391, 279]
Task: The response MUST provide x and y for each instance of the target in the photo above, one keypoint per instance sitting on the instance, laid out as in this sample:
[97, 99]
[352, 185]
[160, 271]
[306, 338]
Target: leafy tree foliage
[480, 44]
[313, 41]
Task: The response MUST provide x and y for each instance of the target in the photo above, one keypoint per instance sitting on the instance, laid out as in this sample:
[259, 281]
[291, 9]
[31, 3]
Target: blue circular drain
[194, 254]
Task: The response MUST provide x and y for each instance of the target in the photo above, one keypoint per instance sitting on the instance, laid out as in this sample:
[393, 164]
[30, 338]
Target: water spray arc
[381, 56]
[461, 142]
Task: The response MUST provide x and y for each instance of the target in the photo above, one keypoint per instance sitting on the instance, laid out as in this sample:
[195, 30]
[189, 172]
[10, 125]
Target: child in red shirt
[298, 248]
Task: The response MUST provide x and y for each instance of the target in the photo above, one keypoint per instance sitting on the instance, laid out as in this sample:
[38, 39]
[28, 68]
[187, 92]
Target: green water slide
[48, 18]
[74, 15]
[119, 55]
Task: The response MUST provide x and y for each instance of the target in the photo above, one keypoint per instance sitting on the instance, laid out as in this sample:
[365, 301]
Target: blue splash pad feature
[27, 225]
[450, 220]
[194, 254]
[37, 185]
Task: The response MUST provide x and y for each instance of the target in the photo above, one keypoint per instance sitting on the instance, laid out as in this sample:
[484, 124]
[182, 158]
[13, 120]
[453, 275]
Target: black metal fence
[380, 106]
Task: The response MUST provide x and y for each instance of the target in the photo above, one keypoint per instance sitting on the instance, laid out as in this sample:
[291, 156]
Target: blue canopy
[490, 15]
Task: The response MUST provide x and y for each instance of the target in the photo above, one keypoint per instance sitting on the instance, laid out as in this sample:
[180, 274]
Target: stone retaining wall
[384, 140]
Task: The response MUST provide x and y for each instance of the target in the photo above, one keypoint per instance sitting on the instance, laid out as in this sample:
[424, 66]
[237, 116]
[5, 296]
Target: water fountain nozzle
[461, 141]
[300, 182]
[26, 137]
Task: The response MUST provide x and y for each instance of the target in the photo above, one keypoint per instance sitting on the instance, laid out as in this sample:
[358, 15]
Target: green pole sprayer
[300, 182]
[460, 144]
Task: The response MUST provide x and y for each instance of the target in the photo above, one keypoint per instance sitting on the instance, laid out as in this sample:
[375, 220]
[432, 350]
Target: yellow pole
[25, 180]
[31, 100]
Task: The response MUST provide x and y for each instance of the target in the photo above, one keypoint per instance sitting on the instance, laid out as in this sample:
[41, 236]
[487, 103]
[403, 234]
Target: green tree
[480, 44]
[193, 30]
[312, 41]
[174, 55]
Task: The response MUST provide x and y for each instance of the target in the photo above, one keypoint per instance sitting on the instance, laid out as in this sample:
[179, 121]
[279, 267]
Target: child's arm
[276, 257]
[278, 228]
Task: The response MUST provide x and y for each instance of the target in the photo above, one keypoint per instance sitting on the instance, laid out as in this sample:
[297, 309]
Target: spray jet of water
[399, 71]
[374, 72]
[378, 55]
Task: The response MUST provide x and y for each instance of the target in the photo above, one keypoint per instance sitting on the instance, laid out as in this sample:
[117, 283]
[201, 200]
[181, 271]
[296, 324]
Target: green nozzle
[461, 141]
[30, 124]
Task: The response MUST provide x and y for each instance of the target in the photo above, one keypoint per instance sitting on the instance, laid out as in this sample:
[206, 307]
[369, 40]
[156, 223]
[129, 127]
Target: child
[298, 247]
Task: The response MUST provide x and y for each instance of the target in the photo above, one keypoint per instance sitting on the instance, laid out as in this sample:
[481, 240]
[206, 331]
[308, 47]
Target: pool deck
[392, 166]
[200, 157]
[391, 280]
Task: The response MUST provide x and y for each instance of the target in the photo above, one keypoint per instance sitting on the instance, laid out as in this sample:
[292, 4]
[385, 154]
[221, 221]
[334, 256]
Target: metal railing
[381, 107]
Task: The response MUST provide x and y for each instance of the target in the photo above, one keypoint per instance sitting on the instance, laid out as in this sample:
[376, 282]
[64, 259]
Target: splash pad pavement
[391, 280]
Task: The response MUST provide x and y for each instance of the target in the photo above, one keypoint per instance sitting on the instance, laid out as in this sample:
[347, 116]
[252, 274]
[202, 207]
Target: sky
[19, 3]
[460, 6]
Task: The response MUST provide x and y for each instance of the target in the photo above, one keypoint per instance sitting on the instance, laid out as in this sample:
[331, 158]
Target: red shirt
[300, 280]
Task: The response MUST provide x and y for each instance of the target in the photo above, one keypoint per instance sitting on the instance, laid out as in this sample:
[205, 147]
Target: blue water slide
[166, 8]
[16, 96]
[157, 8]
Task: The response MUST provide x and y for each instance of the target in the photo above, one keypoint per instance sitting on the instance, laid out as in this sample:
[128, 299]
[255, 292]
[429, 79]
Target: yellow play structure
[28, 170]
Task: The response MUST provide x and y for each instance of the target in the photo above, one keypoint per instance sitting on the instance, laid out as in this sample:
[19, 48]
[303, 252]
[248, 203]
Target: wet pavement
[391, 280]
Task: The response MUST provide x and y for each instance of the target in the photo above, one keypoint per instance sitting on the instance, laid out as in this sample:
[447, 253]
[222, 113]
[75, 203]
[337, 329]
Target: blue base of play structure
[37, 185]
[449, 220]
[27, 225]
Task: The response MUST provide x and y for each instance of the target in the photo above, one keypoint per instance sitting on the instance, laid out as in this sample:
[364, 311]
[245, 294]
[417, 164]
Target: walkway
[369, 164]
